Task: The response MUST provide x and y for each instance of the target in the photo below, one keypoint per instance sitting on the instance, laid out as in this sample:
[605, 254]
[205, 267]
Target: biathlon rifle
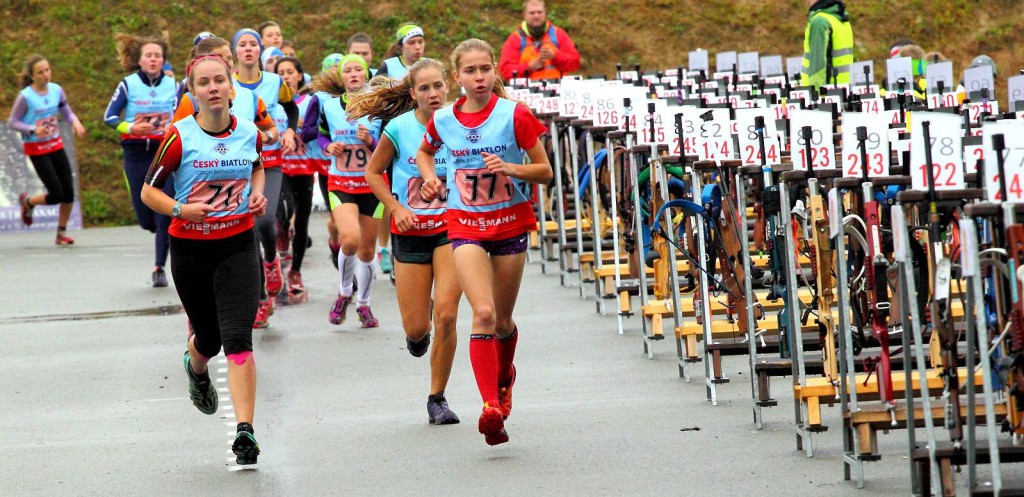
[771, 206]
[1011, 366]
[939, 309]
[875, 268]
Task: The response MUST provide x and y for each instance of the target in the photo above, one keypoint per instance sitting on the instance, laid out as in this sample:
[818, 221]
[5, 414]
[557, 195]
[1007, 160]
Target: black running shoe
[245, 447]
[418, 348]
[201, 389]
[438, 411]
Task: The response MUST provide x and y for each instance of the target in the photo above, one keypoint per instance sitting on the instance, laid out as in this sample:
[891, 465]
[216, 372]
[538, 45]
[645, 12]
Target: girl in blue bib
[423, 254]
[350, 143]
[34, 114]
[213, 158]
[141, 110]
[495, 151]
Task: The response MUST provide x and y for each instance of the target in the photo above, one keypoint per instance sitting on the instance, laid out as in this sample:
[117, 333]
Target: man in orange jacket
[538, 47]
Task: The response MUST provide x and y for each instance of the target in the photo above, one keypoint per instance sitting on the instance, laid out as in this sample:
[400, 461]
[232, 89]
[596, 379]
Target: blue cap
[246, 31]
[201, 36]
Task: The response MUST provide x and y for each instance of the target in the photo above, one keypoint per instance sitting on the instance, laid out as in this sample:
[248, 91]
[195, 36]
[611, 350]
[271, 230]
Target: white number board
[750, 147]
[714, 139]
[900, 67]
[1013, 161]
[947, 164]
[876, 145]
[823, 148]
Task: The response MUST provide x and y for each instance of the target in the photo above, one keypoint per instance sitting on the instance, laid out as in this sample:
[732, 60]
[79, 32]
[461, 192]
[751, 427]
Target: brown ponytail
[30, 64]
[129, 48]
[390, 98]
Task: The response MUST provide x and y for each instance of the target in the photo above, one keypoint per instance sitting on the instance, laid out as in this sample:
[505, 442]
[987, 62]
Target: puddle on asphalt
[163, 310]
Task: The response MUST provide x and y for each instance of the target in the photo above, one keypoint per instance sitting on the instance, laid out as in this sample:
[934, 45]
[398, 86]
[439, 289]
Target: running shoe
[26, 210]
[505, 395]
[384, 259]
[296, 290]
[200, 389]
[159, 277]
[245, 447]
[420, 347]
[275, 278]
[63, 239]
[366, 317]
[283, 240]
[439, 412]
[266, 308]
[492, 424]
[340, 308]
[335, 249]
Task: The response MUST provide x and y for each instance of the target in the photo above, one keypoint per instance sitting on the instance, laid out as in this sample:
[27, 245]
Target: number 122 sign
[947, 164]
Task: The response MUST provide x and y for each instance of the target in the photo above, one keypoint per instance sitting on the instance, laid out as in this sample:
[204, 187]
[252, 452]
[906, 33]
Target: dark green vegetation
[77, 38]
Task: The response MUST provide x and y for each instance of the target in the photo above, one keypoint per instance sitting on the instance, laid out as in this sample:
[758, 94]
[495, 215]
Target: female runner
[310, 135]
[488, 214]
[297, 184]
[140, 111]
[245, 104]
[213, 158]
[279, 98]
[408, 49]
[34, 114]
[423, 257]
[350, 142]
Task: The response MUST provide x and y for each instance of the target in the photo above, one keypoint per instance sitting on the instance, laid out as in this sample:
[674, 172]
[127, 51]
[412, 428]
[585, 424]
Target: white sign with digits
[794, 66]
[1015, 89]
[973, 154]
[877, 145]
[1013, 162]
[822, 149]
[940, 72]
[690, 127]
[900, 67]
[857, 73]
[714, 139]
[699, 60]
[724, 61]
[980, 78]
[771, 65]
[750, 147]
[947, 159]
[748, 63]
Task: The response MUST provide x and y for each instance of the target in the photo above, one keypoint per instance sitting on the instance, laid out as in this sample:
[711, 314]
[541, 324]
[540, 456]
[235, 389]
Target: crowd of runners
[221, 166]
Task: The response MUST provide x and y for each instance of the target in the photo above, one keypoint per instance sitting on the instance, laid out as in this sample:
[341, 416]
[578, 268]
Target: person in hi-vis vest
[538, 47]
[828, 45]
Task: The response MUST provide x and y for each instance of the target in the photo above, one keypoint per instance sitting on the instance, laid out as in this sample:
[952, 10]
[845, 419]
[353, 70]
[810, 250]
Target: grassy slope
[655, 33]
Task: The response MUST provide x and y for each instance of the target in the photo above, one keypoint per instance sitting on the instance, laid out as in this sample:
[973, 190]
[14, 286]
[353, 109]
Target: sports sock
[506, 349]
[366, 272]
[346, 269]
[484, 357]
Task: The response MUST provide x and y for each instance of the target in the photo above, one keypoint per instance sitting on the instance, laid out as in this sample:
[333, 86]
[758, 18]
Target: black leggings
[266, 225]
[54, 171]
[324, 191]
[217, 282]
[297, 200]
[138, 155]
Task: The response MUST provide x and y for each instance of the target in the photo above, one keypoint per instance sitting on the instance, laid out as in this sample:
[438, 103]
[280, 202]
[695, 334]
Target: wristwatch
[176, 210]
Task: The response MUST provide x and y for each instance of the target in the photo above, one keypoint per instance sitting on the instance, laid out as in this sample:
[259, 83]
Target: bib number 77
[480, 187]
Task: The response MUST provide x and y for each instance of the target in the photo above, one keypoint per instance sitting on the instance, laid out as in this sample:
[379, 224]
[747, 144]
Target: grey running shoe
[438, 411]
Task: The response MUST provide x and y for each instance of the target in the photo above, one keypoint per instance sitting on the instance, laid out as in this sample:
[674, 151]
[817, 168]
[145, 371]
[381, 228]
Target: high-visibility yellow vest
[840, 55]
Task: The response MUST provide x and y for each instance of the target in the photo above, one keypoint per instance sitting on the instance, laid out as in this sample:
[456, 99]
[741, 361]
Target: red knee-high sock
[506, 353]
[484, 357]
